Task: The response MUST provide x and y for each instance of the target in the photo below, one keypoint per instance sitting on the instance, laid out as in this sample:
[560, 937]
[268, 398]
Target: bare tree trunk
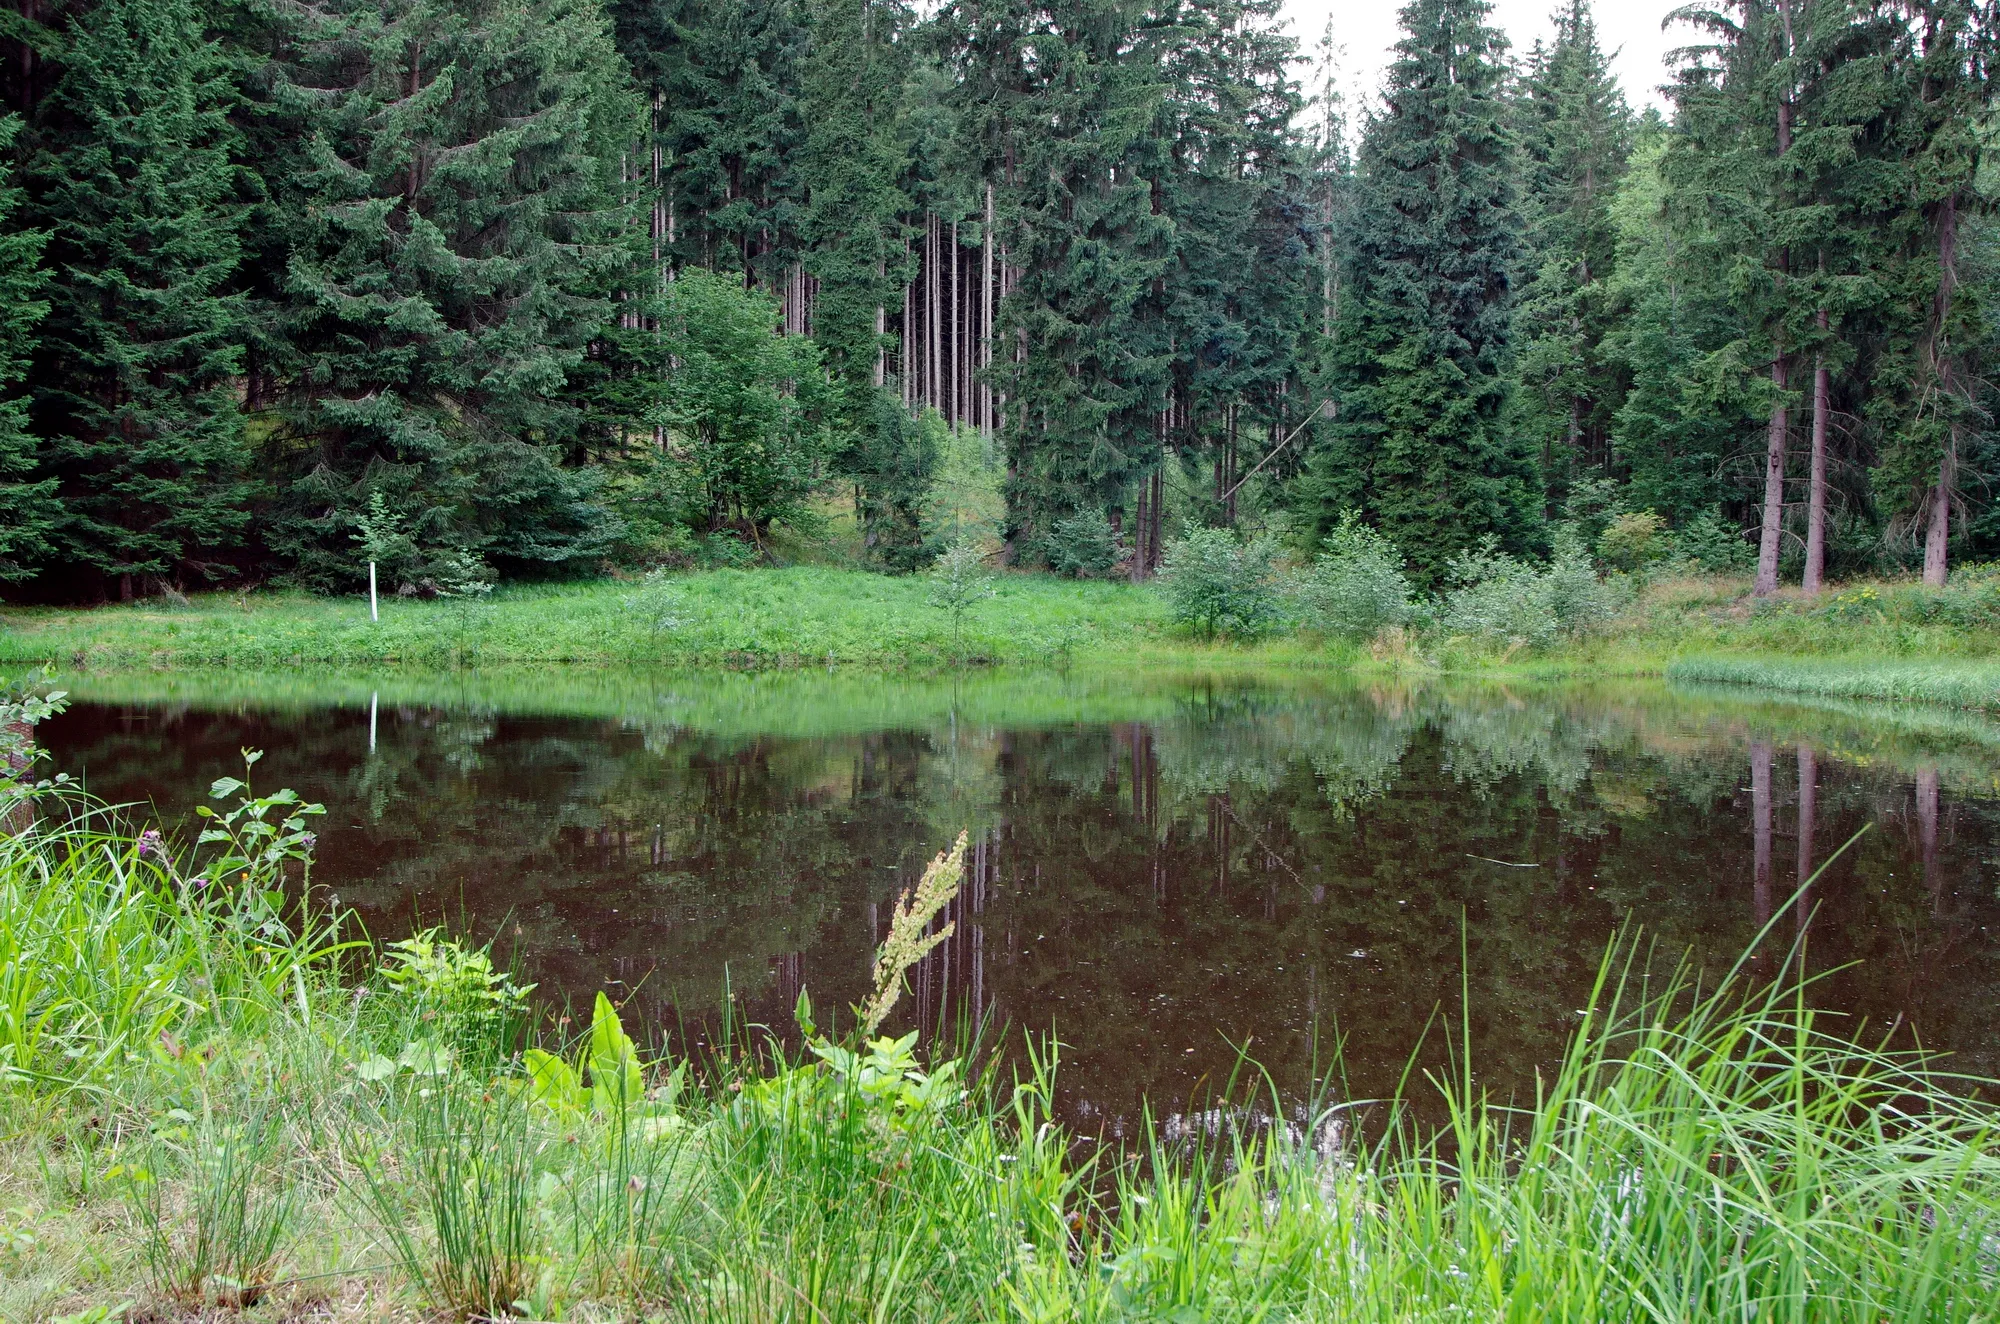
[881, 328]
[986, 318]
[1774, 487]
[1937, 534]
[1815, 571]
[1808, 809]
[1774, 447]
[1139, 518]
[1158, 502]
[931, 282]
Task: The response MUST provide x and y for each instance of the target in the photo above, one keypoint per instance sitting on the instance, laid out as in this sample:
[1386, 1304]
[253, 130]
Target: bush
[1507, 600]
[1356, 586]
[1216, 584]
[1633, 541]
[1084, 545]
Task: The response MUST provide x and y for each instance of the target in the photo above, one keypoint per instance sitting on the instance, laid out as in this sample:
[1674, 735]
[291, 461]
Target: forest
[485, 290]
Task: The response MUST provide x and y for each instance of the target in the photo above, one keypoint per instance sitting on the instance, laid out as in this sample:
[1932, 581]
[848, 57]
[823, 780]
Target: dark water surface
[1161, 868]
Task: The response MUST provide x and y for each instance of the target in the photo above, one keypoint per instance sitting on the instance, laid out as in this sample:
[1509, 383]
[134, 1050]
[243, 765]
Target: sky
[1630, 27]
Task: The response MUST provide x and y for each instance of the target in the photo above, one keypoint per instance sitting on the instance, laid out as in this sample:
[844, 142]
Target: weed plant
[208, 1112]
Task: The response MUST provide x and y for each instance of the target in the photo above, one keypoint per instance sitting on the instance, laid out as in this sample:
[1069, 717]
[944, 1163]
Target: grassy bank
[1895, 641]
[213, 1104]
[802, 616]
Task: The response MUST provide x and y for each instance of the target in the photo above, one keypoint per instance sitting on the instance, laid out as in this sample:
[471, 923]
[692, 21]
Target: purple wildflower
[196, 883]
[308, 840]
[149, 843]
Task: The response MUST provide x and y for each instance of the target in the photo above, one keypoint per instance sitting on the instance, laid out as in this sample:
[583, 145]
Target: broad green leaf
[616, 1082]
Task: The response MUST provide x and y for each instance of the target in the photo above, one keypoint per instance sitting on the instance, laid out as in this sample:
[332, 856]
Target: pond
[1165, 871]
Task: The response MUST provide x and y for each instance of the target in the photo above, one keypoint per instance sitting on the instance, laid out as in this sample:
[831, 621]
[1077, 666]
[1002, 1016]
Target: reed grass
[319, 1134]
[1953, 682]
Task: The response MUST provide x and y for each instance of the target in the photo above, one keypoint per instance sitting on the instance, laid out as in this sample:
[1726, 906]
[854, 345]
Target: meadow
[1882, 639]
[221, 1103]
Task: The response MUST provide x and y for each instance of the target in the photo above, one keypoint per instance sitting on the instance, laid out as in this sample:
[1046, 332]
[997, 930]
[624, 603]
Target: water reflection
[1163, 874]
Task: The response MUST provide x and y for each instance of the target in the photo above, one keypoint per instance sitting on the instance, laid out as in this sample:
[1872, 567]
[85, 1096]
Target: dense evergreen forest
[485, 289]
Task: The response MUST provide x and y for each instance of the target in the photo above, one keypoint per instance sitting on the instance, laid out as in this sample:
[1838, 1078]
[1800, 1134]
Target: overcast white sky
[1630, 27]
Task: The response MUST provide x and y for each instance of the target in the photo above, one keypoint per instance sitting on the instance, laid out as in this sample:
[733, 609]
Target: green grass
[1895, 641]
[800, 616]
[204, 1109]
[1959, 683]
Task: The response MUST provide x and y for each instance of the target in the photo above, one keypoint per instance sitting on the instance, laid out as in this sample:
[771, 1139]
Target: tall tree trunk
[1774, 446]
[1937, 533]
[1774, 486]
[957, 334]
[986, 319]
[1815, 571]
[931, 314]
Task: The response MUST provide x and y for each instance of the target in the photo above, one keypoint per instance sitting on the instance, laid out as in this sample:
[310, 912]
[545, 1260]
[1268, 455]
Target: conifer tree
[850, 166]
[137, 189]
[1575, 139]
[1231, 176]
[1087, 380]
[29, 510]
[1948, 51]
[722, 78]
[458, 240]
[1421, 447]
[1678, 435]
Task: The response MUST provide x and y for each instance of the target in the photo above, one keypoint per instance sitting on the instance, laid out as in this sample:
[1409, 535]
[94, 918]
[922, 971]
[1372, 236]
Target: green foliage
[959, 581]
[144, 333]
[1421, 445]
[1217, 584]
[241, 1207]
[1710, 542]
[964, 500]
[1355, 587]
[456, 995]
[1633, 540]
[1507, 601]
[22, 706]
[450, 223]
[747, 439]
[1574, 141]
[29, 510]
[1084, 545]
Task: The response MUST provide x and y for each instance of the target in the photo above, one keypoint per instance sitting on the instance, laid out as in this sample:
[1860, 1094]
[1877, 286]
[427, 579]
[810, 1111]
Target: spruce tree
[850, 165]
[1087, 380]
[29, 509]
[1421, 447]
[1933, 411]
[1575, 138]
[458, 241]
[1232, 179]
[137, 189]
[1678, 436]
[722, 78]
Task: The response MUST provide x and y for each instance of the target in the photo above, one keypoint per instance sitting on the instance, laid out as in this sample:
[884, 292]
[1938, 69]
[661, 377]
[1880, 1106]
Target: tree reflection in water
[1229, 867]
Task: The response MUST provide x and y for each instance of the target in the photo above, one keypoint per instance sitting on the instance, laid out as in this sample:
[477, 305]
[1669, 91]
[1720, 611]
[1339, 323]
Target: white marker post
[371, 719]
[373, 614]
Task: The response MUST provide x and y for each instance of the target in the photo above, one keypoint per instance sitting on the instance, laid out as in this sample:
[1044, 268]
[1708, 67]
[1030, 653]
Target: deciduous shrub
[1633, 540]
[1504, 600]
[1217, 584]
[1356, 586]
